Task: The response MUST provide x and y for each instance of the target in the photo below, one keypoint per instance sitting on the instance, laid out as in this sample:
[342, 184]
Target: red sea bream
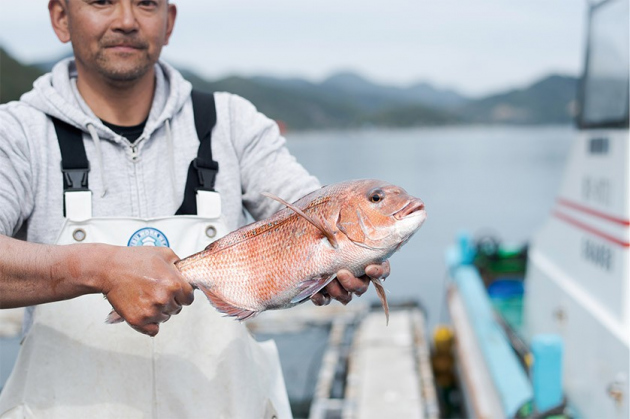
[283, 260]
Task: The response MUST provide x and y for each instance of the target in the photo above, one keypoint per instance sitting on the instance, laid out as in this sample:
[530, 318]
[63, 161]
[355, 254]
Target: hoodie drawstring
[171, 152]
[99, 156]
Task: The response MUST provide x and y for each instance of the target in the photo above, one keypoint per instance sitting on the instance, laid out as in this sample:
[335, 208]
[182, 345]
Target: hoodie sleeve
[16, 197]
[265, 163]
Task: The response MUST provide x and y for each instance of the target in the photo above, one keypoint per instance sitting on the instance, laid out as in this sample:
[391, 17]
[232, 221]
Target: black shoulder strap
[74, 162]
[203, 170]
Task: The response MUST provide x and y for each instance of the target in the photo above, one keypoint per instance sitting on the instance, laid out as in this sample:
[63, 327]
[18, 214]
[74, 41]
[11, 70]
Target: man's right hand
[144, 286]
[142, 283]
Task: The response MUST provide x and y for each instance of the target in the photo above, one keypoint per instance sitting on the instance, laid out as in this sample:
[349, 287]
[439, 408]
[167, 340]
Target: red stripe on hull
[590, 229]
[590, 211]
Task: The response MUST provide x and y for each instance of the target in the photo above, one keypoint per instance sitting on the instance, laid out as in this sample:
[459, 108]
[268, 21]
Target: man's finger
[378, 271]
[150, 329]
[186, 295]
[173, 307]
[338, 292]
[320, 299]
[352, 284]
[156, 318]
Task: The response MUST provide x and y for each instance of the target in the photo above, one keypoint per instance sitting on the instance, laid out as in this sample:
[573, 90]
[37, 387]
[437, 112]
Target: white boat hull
[578, 277]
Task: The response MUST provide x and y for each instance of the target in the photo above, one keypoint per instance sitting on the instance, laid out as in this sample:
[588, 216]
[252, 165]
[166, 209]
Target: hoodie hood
[56, 94]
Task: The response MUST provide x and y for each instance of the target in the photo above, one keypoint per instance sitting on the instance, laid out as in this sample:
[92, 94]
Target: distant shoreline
[349, 101]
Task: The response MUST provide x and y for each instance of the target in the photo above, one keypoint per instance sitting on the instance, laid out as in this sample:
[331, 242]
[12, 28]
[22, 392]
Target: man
[135, 121]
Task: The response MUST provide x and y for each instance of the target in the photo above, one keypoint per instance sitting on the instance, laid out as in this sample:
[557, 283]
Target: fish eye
[377, 196]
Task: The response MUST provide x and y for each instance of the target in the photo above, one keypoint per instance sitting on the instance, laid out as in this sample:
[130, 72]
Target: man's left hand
[346, 284]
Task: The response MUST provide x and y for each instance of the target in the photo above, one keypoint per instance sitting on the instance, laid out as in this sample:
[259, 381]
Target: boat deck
[389, 369]
[369, 369]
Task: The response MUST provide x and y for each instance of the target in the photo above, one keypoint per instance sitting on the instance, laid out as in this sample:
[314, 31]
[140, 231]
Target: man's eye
[150, 4]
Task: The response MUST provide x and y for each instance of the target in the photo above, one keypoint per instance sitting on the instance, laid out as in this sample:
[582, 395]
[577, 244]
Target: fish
[281, 261]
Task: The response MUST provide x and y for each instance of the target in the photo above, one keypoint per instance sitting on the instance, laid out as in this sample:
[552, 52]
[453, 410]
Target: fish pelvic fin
[380, 290]
[324, 228]
[310, 287]
[225, 307]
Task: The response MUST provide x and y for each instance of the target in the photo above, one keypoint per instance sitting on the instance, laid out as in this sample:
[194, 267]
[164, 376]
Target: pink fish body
[283, 260]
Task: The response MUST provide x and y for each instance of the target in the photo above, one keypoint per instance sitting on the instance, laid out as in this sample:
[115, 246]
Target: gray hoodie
[145, 179]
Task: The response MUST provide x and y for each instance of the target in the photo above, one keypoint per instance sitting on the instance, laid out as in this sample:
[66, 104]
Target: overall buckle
[75, 179]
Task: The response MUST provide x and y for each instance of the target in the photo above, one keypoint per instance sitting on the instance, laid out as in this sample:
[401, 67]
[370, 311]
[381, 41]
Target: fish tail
[113, 318]
[189, 268]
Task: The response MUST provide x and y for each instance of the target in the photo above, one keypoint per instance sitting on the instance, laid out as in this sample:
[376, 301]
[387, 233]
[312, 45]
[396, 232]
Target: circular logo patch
[148, 236]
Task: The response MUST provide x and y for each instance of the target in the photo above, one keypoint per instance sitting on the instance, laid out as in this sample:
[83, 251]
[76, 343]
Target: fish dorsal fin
[380, 290]
[326, 230]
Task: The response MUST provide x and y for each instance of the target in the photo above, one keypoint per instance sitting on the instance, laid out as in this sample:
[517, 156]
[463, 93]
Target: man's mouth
[125, 44]
[124, 47]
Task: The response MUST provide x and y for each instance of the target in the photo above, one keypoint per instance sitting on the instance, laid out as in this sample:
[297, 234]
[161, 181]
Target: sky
[476, 47]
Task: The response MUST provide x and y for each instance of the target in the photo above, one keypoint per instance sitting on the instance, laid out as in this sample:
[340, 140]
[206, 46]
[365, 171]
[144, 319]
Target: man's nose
[125, 17]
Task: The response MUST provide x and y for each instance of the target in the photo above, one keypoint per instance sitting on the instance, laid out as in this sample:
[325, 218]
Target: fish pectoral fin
[325, 229]
[226, 308]
[380, 290]
[310, 287]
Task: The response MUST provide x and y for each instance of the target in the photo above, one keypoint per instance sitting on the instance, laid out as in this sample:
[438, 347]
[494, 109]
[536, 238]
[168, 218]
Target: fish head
[379, 215]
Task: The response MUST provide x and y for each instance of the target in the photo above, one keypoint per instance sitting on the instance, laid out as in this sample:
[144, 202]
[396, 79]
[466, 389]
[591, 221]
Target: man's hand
[346, 284]
[144, 286]
[142, 283]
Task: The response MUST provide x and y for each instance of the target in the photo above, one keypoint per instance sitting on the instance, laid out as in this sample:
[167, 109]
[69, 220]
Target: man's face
[120, 40]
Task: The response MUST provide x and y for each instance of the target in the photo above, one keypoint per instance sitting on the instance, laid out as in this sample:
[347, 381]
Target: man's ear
[59, 19]
[170, 21]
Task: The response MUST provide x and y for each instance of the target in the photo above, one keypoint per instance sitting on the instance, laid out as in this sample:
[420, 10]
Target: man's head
[118, 40]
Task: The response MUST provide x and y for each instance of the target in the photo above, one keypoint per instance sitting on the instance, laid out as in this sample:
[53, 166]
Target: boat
[551, 337]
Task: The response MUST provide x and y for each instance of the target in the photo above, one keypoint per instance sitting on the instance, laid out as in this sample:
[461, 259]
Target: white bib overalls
[200, 365]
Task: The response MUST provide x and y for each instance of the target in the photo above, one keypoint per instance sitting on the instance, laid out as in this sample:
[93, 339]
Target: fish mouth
[414, 207]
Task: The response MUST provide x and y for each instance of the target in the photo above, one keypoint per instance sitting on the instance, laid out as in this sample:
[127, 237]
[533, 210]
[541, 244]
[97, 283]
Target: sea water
[488, 181]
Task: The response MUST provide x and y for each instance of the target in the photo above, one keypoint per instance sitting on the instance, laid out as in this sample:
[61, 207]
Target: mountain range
[348, 100]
